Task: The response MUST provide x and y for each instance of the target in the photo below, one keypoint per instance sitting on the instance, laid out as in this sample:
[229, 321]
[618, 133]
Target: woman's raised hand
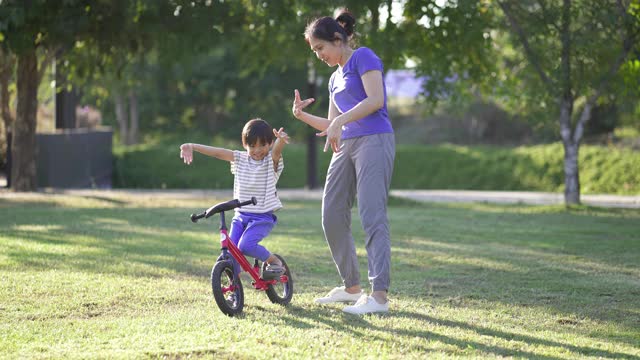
[299, 104]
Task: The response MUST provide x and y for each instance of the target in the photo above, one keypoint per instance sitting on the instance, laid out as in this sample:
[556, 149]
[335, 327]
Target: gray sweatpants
[362, 168]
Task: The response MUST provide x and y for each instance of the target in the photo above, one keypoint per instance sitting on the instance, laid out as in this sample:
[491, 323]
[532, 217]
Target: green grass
[114, 276]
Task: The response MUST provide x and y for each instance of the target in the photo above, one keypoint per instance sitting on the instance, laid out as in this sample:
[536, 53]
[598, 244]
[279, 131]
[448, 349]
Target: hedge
[532, 168]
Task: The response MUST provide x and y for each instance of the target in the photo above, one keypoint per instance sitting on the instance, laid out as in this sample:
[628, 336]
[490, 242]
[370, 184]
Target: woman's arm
[186, 152]
[333, 112]
[316, 122]
[372, 82]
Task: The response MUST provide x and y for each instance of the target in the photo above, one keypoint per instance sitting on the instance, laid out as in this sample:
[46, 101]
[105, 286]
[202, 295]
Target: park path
[515, 197]
[447, 196]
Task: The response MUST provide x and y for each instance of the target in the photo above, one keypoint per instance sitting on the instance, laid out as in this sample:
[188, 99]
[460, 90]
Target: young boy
[256, 173]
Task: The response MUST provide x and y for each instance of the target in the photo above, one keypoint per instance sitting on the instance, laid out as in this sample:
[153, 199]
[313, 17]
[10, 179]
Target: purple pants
[247, 230]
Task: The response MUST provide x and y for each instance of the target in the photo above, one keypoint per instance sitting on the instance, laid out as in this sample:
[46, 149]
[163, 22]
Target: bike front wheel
[227, 288]
[282, 291]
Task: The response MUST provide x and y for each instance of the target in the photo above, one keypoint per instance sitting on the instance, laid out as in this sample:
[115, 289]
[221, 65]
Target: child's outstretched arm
[281, 139]
[187, 149]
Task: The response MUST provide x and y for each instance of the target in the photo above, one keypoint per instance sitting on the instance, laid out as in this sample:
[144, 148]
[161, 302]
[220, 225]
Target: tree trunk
[133, 118]
[121, 117]
[571, 174]
[312, 153]
[7, 62]
[65, 101]
[23, 171]
[571, 150]
[6, 67]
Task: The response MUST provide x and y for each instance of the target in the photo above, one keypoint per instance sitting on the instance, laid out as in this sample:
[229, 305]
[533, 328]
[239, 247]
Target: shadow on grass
[361, 327]
[581, 262]
[150, 241]
[196, 354]
[144, 242]
[484, 331]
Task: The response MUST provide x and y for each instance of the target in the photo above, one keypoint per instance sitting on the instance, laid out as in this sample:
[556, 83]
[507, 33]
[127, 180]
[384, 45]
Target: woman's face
[327, 51]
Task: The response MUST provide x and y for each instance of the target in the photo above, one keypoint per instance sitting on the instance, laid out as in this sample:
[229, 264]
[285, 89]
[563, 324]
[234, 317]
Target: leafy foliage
[451, 45]
[27, 24]
[208, 66]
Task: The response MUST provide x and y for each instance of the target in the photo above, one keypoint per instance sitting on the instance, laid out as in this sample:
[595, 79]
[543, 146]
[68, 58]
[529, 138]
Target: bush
[479, 123]
[530, 168]
[604, 119]
[160, 167]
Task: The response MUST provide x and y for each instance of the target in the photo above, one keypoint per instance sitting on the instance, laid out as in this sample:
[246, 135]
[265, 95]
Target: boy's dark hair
[257, 130]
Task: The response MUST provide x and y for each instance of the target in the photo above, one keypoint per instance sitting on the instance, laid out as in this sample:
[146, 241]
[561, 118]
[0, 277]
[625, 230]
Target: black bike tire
[224, 269]
[272, 293]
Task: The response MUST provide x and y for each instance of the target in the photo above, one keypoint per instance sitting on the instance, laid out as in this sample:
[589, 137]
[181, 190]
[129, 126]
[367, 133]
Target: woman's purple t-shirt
[346, 91]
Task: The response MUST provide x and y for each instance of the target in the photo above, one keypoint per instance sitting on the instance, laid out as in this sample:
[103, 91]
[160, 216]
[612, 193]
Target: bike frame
[230, 249]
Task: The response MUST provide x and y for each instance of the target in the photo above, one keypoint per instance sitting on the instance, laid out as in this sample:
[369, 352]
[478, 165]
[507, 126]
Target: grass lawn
[128, 277]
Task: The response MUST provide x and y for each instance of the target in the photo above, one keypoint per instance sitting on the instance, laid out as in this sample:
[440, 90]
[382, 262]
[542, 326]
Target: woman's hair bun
[346, 20]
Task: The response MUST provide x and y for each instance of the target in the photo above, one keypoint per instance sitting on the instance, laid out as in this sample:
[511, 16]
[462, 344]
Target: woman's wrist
[340, 120]
[302, 115]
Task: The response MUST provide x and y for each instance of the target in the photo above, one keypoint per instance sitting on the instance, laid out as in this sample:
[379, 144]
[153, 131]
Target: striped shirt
[256, 178]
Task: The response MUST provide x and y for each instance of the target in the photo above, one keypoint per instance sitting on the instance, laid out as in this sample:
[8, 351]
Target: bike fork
[225, 256]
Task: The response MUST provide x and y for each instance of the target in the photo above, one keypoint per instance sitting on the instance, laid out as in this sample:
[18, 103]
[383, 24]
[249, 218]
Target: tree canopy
[211, 65]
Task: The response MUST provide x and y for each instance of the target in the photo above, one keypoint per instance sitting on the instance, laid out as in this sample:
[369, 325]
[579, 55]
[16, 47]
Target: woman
[360, 134]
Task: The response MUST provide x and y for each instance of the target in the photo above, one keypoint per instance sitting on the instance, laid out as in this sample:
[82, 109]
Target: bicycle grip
[195, 218]
[253, 201]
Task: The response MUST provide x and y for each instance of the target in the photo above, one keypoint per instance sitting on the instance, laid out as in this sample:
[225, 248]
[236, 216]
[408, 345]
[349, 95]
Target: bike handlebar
[225, 206]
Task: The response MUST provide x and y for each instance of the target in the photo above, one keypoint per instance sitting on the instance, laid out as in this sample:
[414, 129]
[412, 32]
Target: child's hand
[186, 153]
[280, 134]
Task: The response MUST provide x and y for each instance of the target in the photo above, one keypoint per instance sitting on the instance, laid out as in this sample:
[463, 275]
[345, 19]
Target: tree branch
[627, 44]
[545, 15]
[565, 53]
[533, 58]
[49, 55]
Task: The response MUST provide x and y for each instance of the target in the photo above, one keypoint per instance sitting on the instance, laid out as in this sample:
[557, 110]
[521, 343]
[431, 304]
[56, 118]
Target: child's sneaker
[272, 271]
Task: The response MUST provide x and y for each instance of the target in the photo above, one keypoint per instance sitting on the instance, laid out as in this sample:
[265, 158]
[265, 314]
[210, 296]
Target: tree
[118, 77]
[7, 65]
[568, 53]
[590, 42]
[33, 30]
[181, 65]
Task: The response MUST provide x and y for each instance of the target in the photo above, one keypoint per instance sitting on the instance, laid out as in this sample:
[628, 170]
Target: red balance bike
[226, 284]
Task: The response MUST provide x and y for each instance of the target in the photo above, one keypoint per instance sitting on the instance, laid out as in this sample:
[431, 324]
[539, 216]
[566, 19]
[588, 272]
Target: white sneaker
[366, 305]
[339, 295]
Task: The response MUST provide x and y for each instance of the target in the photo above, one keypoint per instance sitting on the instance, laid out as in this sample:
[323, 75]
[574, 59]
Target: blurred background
[102, 93]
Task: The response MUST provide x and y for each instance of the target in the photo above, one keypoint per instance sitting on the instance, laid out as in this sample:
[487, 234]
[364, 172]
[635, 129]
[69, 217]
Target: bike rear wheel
[281, 292]
[227, 288]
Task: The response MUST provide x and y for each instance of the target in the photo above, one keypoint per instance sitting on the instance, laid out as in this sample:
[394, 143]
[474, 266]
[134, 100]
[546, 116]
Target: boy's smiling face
[258, 151]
